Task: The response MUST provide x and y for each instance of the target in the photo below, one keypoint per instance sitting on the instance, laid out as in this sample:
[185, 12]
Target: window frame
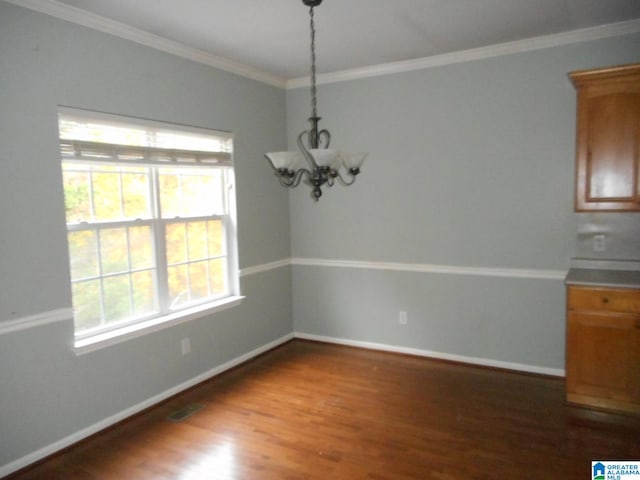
[164, 314]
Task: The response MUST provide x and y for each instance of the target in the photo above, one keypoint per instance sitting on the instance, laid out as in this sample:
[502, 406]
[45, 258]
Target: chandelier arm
[350, 181]
[293, 180]
[305, 152]
[303, 172]
[324, 133]
[285, 181]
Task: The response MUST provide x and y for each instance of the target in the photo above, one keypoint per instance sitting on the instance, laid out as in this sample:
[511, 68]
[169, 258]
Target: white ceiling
[273, 35]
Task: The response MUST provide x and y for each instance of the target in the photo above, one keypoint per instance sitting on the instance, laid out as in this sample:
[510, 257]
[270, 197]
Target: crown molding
[118, 29]
[536, 43]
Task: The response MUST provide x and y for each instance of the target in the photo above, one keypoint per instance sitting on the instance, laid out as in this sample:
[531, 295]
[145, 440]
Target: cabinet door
[603, 360]
[613, 138]
[608, 139]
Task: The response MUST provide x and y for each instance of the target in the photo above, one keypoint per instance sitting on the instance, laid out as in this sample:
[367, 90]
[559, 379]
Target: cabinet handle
[605, 300]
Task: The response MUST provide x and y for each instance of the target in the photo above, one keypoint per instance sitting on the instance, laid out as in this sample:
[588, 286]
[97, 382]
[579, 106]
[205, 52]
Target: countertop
[604, 273]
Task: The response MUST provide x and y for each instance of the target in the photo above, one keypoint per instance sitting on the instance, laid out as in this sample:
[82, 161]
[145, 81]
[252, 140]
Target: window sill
[103, 340]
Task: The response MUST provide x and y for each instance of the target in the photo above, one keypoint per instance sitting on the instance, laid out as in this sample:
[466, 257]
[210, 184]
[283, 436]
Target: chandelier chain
[314, 102]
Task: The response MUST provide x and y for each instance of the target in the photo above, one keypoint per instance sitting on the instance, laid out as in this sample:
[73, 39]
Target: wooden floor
[316, 411]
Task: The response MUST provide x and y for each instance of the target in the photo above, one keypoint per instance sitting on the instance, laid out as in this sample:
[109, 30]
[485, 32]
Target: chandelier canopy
[324, 166]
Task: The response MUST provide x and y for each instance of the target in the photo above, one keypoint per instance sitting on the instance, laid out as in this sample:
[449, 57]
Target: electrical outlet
[402, 318]
[185, 346]
[599, 243]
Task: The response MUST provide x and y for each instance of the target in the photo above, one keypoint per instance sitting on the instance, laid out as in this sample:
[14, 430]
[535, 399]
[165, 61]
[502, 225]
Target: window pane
[178, 285]
[196, 194]
[214, 237]
[197, 238]
[218, 276]
[190, 192]
[106, 194]
[141, 247]
[117, 300]
[176, 243]
[143, 293]
[169, 195]
[199, 281]
[135, 189]
[114, 250]
[193, 274]
[83, 254]
[76, 195]
[86, 304]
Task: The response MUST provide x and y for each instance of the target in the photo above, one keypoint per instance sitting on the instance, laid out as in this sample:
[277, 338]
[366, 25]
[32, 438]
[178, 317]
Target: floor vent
[185, 412]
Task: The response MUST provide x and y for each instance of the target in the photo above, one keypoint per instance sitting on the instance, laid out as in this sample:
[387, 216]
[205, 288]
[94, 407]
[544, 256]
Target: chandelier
[324, 166]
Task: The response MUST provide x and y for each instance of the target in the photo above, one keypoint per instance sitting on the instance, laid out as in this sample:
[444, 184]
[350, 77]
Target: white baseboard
[486, 362]
[118, 417]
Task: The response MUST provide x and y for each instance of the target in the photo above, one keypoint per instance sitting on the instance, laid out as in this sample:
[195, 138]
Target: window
[150, 213]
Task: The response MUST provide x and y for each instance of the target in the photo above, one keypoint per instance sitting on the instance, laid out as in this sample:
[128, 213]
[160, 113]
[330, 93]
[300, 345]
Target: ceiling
[272, 36]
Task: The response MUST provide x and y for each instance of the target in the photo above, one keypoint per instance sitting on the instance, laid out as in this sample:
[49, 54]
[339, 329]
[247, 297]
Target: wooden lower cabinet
[603, 348]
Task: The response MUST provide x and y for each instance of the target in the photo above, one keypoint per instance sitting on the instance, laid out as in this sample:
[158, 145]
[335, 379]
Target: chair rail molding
[66, 314]
[37, 320]
[435, 268]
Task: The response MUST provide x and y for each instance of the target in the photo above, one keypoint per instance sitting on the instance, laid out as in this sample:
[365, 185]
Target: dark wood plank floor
[314, 411]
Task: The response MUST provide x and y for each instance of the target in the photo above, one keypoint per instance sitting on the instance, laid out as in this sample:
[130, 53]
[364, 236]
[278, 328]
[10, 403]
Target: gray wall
[46, 391]
[471, 165]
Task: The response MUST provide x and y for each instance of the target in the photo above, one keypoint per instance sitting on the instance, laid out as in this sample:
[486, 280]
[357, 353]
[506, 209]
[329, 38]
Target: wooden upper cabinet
[608, 139]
